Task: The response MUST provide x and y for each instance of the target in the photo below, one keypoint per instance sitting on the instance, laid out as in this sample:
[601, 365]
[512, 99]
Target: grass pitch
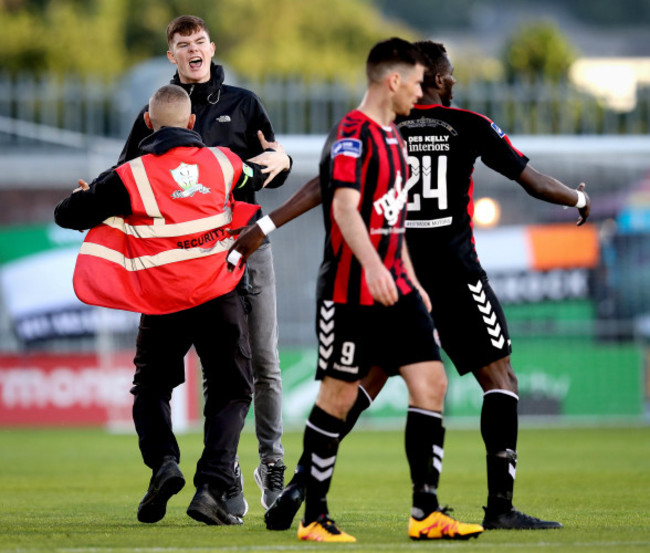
[76, 491]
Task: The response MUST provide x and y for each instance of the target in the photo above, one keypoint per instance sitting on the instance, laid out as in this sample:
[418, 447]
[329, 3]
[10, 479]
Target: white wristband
[233, 257]
[582, 200]
[266, 225]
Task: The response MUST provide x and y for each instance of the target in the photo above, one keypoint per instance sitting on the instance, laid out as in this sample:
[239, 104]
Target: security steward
[157, 246]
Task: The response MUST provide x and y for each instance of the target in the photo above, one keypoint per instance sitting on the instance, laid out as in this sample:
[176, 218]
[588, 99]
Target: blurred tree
[538, 51]
[323, 39]
[66, 36]
[23, 44]
[316, 39]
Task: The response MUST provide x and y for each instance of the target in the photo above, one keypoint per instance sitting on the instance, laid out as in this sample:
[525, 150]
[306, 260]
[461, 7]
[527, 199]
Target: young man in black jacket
[235, 117]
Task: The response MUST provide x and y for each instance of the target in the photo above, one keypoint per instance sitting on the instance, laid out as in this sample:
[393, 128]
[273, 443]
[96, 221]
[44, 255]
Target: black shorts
[468, 318]
[353, 338]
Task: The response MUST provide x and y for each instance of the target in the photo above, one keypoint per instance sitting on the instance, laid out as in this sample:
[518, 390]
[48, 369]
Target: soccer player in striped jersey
[443, 144]
[371, 310]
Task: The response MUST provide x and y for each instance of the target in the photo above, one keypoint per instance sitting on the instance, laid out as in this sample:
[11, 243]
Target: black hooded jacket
[226, 115]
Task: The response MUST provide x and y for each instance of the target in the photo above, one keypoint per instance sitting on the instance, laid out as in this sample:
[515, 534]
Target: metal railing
[93, 107]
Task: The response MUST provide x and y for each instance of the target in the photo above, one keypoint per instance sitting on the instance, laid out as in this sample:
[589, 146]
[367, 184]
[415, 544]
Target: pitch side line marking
[321, 547]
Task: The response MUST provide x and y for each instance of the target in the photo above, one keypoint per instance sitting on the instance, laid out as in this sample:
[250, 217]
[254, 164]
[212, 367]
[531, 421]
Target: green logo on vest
[187, 177]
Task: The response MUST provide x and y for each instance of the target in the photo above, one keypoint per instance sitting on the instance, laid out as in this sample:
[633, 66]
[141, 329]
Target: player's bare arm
[410, 271]
[378, 278]
[251, 237]
[545, 187]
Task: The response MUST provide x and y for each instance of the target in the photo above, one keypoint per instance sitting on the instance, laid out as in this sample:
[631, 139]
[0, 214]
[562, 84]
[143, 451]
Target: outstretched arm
[547, 188]
[250, 238]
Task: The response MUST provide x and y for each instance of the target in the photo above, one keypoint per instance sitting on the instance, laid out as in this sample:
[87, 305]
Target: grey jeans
[263, 330]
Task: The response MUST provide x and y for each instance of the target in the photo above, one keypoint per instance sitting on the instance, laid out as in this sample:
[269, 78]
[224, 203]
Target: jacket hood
[167, 138]
[203, 91]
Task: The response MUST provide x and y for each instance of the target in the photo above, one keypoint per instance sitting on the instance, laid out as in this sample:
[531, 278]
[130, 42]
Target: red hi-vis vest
[170, 254]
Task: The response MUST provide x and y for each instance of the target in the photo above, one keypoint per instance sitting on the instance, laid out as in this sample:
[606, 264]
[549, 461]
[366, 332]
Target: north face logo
[223, 119]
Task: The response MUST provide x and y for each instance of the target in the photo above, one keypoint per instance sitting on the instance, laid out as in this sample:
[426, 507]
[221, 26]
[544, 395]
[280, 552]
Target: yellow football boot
[323, 529]
[440, 526]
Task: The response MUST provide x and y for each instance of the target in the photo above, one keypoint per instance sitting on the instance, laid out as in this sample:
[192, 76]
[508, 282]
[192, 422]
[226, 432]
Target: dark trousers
[218, 329]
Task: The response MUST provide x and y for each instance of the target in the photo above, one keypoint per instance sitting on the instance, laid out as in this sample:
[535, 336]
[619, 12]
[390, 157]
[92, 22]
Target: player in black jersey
[444, 144]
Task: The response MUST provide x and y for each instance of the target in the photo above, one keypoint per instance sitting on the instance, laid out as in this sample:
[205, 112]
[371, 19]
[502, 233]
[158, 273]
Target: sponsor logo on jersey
[387, 231]
[429, 143]
[347, 146]
[392, 203]
[498, 130]
[431, 223]
[187, 178]
[223, 119]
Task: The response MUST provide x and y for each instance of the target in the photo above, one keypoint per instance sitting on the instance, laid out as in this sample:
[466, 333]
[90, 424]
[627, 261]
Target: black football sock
[320, 446]
[424, 440]
[362, 403]
[499, 427]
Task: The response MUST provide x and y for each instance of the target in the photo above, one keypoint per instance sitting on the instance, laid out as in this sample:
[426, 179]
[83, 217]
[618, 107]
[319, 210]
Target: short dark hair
[185, 25]
[391, 52]
[436, 60]
[169, 106]
[170, 93]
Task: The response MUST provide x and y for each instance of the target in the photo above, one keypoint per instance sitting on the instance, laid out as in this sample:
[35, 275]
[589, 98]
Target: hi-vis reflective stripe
[171, 230]
[226, 168]
[145, 190]
[151, 261]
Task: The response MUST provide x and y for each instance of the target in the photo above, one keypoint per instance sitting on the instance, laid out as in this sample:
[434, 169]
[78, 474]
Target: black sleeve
[251, 176]
[257, 120]
[139, 130]
[497, 152]
[106, 197]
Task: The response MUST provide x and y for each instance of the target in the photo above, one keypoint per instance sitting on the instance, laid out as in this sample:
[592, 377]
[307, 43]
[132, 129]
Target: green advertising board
[564, 370]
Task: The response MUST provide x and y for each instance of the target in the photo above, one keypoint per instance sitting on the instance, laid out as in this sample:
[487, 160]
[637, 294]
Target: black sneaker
[236, 503]
[516, 520]
[270, 480]
[210, 508]
[167, 481]
[283, 510]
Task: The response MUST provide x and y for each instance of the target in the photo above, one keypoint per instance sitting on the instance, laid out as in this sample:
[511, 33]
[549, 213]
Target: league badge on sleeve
[350, 147]
[498, 130]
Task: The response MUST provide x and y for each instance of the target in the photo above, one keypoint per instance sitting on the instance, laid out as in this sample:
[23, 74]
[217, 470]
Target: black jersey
[371, 158]
[443, 144]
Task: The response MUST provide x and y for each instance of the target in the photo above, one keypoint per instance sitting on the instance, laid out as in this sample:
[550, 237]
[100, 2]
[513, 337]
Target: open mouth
[195, 63]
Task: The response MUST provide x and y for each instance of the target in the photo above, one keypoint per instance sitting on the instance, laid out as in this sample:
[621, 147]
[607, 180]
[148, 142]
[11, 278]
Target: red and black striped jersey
[360, 153]
[443, 144]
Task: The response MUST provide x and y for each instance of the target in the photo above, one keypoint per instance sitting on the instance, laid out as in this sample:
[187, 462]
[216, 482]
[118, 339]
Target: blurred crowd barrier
[102, 108]
[577, 300]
